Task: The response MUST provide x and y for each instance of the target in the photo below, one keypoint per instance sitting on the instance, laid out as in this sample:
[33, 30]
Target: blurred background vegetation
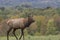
[47, 20]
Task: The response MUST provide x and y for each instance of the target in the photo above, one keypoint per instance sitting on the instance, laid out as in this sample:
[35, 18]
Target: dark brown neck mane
[27, 24]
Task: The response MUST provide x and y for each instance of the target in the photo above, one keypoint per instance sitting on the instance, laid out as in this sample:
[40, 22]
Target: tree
[51, 28]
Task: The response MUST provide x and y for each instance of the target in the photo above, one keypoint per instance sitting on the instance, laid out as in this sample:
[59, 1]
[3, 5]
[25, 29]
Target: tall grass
[50, 37]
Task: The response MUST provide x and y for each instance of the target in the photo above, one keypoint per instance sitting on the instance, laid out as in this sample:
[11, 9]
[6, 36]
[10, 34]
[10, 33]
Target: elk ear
[28, 14]
[31, 15]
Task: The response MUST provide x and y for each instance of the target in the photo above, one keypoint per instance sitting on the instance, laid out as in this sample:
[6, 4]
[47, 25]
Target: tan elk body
[20, 23]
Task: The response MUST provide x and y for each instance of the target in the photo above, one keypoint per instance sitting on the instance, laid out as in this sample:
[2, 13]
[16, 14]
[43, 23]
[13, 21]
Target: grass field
[50, 37]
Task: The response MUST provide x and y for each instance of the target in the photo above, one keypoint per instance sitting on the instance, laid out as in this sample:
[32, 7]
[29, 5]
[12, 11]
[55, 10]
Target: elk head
[30, 19]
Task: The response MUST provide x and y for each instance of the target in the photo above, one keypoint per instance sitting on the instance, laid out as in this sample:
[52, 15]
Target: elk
[19, 23]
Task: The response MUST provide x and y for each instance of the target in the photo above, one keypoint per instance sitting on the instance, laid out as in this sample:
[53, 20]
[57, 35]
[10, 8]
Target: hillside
[35, 3]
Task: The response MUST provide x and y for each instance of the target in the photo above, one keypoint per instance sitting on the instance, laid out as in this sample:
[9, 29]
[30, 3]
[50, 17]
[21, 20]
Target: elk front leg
[14, 33]
[8, 33]
[22, 34]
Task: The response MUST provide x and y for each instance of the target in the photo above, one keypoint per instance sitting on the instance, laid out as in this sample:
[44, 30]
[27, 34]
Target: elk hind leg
[22, 34]
[8, 33]
[14, 33]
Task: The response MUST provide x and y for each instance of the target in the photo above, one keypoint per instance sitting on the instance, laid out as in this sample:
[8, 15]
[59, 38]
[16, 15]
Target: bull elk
[19, 23]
